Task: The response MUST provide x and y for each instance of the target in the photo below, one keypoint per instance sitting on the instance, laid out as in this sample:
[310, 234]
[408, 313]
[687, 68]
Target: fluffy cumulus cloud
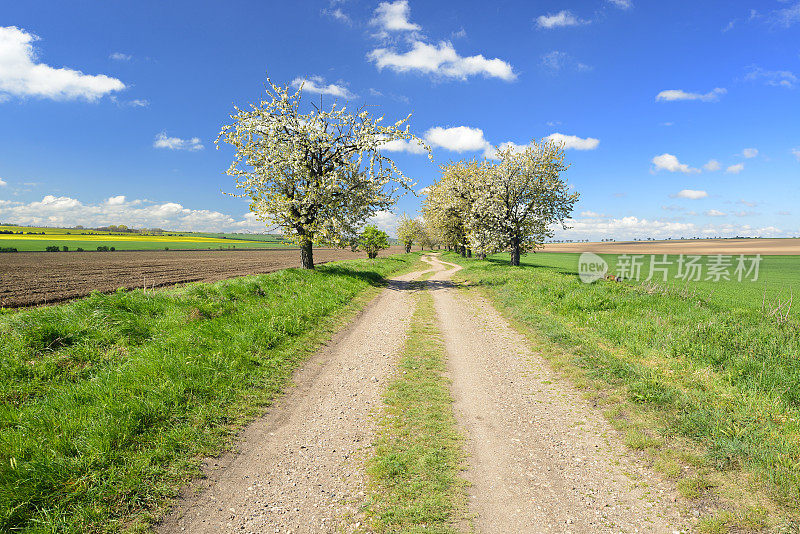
[393, 17]
[386, 221]
[3, 183]
[316, 84]
[66, 211]
[441, 60]
[457, 139]
[796, 153]
[468, 139]
[750, 152]
[21, 75]
[672, 95]
[573, 142]
[633, 227]
[669, 162]
[712, 165]
[401, 145]
[735, 169]
[559, 20]
[691, 194]
[176, 143]
[715, 213]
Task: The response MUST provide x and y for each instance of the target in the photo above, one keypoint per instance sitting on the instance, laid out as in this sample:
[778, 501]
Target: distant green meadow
[778, 276]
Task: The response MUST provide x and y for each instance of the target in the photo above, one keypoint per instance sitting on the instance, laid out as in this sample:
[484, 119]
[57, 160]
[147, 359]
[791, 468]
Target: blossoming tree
[317, 175]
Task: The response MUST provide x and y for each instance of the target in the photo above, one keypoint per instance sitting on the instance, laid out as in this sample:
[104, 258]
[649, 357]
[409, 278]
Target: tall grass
[727, 377]
[108, 403]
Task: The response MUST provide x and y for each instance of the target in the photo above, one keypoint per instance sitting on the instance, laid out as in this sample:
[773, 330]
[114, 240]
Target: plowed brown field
[32, 278]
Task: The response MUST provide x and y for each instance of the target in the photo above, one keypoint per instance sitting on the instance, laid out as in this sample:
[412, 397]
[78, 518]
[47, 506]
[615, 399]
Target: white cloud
[574, 142]
[337, 14]
[642, 228]
[672, 95]
[777, 78]
[715, 213]
[796, 153]
[712, 165]
[750, 152]
[3, 183]
[670, 163]
[557, 60]
[386, 221]
[22, 76]
[316, 84]
[119, 56]
[441, 60]
[393, 16]
[457, 139]
[691, 194]
[424, 191]
[787, 16]
[176, 143]
[735, 169]
[559, 20]
[622, 4]
[401, 145]
[66, 211]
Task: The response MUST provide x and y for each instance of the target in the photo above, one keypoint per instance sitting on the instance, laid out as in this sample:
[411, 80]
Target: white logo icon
[591, 267]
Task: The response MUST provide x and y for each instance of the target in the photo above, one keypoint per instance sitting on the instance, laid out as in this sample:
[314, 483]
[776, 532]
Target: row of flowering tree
[511, 204]
[318, 175]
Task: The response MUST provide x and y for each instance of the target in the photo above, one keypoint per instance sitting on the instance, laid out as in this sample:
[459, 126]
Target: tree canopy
[317, 175]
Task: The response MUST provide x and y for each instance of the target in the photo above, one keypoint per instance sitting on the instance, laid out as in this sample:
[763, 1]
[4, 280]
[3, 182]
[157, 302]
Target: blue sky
[680, 118]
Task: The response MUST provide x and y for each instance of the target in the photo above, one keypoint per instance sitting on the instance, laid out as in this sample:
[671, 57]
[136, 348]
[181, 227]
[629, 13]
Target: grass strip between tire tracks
[415, 483]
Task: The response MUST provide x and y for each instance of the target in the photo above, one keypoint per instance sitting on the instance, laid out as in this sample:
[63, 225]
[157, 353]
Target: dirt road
[541, 458]
[300, 467]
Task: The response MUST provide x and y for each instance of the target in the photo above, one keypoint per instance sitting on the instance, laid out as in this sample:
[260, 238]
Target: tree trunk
[515, 253]
[306, 253]
[408, 248]
[463, 251]
[469, 252]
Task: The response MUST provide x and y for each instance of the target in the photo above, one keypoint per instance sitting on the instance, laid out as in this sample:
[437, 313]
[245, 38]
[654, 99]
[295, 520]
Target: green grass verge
[108, 403]
[414, 474]
[720, 380]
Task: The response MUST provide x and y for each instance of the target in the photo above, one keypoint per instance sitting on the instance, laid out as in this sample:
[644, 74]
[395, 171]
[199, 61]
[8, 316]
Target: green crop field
[778, 277]
[699, 362]
[108, 403]
[37, 239]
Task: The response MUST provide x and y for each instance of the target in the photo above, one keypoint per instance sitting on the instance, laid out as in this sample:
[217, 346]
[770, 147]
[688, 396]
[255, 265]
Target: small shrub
[112, 249]
[65, 248]
[79, 249]
[102, 248]
[8, 249]
[52, 248]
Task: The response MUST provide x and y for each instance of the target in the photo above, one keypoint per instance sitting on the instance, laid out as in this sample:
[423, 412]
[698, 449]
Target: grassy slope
[715, 375]
[108, 403]
[415, 484]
